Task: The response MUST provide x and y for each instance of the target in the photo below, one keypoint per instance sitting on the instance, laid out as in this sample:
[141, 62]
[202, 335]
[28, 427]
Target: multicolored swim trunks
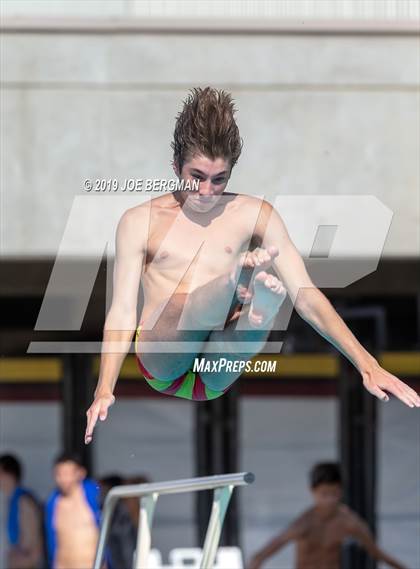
[189, 385]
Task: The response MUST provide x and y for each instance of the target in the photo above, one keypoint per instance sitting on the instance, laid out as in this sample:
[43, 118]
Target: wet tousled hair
[112, 480]
[11, 465]
[206, 125]
[325, 473]
[68, 457]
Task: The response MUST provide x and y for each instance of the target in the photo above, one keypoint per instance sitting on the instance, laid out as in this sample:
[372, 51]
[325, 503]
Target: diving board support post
[109, 507]
[220, 503]
[222, 484]
[144, 534]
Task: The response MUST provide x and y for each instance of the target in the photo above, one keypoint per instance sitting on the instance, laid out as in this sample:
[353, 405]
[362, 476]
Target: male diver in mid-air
[215, 268]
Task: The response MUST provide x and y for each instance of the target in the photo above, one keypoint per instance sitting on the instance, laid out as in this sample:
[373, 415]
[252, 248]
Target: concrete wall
[319, 114]
[384, 9]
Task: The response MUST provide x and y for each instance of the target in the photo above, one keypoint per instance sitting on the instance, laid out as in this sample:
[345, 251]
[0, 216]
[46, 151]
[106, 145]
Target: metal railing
[222, 484]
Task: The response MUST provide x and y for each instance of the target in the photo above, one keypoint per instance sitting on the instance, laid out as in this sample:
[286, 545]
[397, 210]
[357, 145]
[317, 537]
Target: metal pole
[220, 503]
[109, 506]
[222, 483]
[76, 392]
[216, 438]
[144, 534]
[358, 429]
[183, 485]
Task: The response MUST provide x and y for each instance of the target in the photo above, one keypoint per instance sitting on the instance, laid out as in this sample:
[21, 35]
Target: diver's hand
[99, 408]
[376, 379]
[254, 563]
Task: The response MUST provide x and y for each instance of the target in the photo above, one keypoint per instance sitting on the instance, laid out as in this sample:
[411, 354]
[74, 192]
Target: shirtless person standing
[198, 255]
[320, 531]
[72, 516]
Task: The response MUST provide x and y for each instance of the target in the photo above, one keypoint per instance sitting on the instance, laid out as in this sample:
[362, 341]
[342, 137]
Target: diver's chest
[210, 250]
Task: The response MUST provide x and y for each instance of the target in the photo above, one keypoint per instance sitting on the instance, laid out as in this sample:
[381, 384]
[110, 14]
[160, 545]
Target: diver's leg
[189, 318]
[239, 345]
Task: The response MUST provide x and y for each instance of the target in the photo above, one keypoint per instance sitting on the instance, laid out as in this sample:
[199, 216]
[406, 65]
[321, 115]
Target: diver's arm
[120, 323]
[314, 307]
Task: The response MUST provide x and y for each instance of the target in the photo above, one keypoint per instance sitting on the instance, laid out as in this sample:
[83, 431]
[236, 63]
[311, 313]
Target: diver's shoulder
[145, 208]
[249, 206]
[244, 199]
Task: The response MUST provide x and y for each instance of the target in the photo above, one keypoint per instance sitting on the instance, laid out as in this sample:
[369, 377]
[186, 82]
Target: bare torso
[187, 250]
[320, 544]
[77, 533]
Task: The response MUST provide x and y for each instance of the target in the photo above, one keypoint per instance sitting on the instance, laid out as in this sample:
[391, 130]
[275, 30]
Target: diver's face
[327, 496]
[212, 177]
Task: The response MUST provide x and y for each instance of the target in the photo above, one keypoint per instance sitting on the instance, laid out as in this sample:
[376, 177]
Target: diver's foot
[249, 263]
[269, 295]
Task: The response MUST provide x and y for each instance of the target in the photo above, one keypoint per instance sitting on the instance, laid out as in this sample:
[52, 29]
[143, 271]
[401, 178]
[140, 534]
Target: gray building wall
[392, 10]
[319, 114]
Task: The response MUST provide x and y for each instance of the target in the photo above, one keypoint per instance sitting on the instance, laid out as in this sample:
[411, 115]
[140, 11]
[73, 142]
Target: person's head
[325, 484]
[10, 473]
[137, 479]
[111, 480]
[69, 472]
[133, 504]
[206, 145]
[106, 483]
